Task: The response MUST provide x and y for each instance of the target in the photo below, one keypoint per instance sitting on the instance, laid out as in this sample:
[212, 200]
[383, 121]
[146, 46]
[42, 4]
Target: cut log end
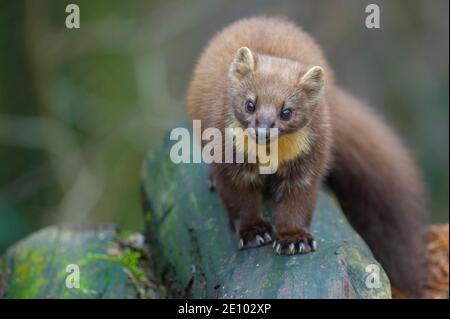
[79, 262]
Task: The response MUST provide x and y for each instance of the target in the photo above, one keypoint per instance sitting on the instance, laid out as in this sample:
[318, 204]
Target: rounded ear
[313, 82]
[243, 64]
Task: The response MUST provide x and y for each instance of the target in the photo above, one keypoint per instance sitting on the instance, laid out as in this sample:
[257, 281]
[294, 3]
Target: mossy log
[110, 264]
[196, 253]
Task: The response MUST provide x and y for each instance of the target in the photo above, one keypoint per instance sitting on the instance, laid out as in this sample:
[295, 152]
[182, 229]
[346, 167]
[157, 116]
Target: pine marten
[265, 72]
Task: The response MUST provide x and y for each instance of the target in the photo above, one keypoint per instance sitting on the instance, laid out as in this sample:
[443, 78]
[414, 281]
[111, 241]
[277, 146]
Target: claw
[301, 248]
[291, 249]
[274, 244]
[241, 243]
[267, 237]
[313, 245]
[259, 240]
[278, 249]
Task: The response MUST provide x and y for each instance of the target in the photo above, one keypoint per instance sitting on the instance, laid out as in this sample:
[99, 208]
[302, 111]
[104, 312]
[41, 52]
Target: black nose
[265, 122]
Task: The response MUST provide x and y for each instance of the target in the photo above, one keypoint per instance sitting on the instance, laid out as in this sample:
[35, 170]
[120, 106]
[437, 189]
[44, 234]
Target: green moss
[29, 269]
[124, 234]
[127, 258]
[109, 268]
[130, 259]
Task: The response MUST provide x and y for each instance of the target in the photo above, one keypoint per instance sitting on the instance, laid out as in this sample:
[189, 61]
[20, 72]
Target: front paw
[290, 243]
[255, 235]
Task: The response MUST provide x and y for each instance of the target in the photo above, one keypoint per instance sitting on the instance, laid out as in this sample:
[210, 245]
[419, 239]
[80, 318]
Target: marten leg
[295, 208]
[243, 205]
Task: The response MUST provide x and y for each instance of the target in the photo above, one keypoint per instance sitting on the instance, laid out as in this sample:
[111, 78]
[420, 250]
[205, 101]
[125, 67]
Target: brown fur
[331, 137]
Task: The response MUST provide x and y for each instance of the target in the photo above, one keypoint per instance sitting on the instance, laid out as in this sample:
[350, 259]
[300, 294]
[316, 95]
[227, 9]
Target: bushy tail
[380, 190]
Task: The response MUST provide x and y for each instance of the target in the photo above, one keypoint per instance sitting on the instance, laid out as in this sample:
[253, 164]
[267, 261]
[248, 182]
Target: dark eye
[250, 106]
[286, 114]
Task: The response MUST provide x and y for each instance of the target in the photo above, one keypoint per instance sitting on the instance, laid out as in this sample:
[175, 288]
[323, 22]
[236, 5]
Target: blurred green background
[79, 109]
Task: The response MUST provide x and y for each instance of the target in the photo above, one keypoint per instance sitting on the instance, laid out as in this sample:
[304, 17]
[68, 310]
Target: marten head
[270, 92]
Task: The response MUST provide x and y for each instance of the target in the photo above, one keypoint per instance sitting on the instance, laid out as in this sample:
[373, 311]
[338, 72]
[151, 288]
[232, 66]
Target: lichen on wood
[111, 265]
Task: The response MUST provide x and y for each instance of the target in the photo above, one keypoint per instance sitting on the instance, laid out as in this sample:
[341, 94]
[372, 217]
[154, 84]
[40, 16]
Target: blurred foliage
[80, 108]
